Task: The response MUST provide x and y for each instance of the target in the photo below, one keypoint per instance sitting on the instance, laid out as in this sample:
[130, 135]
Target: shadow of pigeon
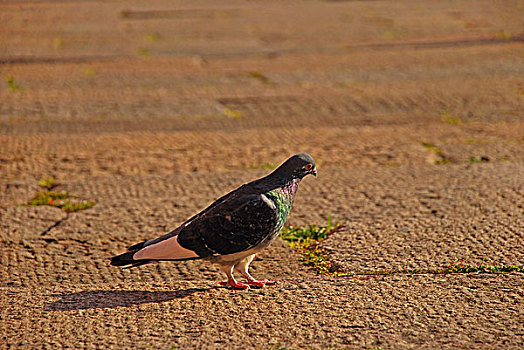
[100, 299]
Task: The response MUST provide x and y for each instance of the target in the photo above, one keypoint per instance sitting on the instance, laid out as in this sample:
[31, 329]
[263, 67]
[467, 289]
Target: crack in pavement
[56, 224]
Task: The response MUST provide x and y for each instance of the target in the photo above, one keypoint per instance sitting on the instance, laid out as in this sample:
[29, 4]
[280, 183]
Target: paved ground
[414, 112]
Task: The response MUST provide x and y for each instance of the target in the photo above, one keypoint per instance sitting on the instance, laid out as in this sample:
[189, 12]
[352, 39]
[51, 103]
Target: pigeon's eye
[308, 167]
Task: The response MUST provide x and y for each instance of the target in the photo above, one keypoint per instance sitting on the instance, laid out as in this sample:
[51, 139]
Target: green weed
[392, 164]
[71, 207]
[305, 241]
[380, 21]
[152, 37]
[306, 84]
[143, 52]
[504, 35]
[475, 142]
[311, 232]
[89, 72]
[58, 43]
[261, 77]
[345, 83]
[482, 159]
[450, 119]
[452, 269]
[232, 113]
[12, 85]
[63, 200]
[433, 149]
[393, 34]
[48, 183]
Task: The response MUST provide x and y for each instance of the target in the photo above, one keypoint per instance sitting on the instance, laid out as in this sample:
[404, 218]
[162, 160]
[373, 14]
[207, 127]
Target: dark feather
[137, 246]
[127, 259]
[230, 227]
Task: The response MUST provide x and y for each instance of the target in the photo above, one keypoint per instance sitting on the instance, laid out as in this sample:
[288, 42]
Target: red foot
[261, 284]
[234, 284]
[257, 284]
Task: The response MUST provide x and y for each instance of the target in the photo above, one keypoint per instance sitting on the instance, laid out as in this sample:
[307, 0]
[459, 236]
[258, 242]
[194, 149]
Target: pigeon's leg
[231, 281]
[243, 267]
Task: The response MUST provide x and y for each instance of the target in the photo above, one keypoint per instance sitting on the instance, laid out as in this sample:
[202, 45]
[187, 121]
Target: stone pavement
[413, 111]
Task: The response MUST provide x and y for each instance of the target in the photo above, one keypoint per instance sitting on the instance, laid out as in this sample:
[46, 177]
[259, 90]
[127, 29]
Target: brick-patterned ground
[155, 109]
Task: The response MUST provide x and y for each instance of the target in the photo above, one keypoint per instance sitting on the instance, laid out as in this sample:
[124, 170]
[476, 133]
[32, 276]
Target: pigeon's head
[297, 166]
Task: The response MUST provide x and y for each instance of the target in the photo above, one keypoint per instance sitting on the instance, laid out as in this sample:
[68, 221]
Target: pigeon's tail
[127, 260]
[162, 248]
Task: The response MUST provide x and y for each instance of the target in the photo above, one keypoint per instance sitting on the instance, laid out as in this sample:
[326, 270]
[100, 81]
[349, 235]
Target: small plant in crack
[447, 117]
[460, 268]
[451, 269]
[48, 183]
[261, 77]
[63, 200]
[232, 113]
[442, 159]
[89, 72]
[142, 52]
[475, 141]
[482, 159]
[152, 37]
[504, 35]
[12, 85]
[305, 240]
[58, 43]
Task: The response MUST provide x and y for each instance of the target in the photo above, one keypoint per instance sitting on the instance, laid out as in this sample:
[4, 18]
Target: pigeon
[232, 229]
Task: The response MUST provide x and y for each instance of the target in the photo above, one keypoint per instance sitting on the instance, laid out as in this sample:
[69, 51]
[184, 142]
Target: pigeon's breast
[283, 198]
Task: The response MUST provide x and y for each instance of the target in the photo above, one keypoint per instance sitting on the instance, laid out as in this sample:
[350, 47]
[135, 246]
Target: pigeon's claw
[234, 284]
[256, 284]
[243, 268]
[260, 284]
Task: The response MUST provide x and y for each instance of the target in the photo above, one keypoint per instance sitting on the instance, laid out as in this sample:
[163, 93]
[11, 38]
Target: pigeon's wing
[234, 225]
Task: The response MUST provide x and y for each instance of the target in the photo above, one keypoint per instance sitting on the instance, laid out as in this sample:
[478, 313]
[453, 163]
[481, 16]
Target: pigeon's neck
[273, 182]
[283, 198]
[290, 188]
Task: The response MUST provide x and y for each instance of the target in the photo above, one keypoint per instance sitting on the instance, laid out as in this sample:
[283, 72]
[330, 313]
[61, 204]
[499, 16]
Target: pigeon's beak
[314, 171]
